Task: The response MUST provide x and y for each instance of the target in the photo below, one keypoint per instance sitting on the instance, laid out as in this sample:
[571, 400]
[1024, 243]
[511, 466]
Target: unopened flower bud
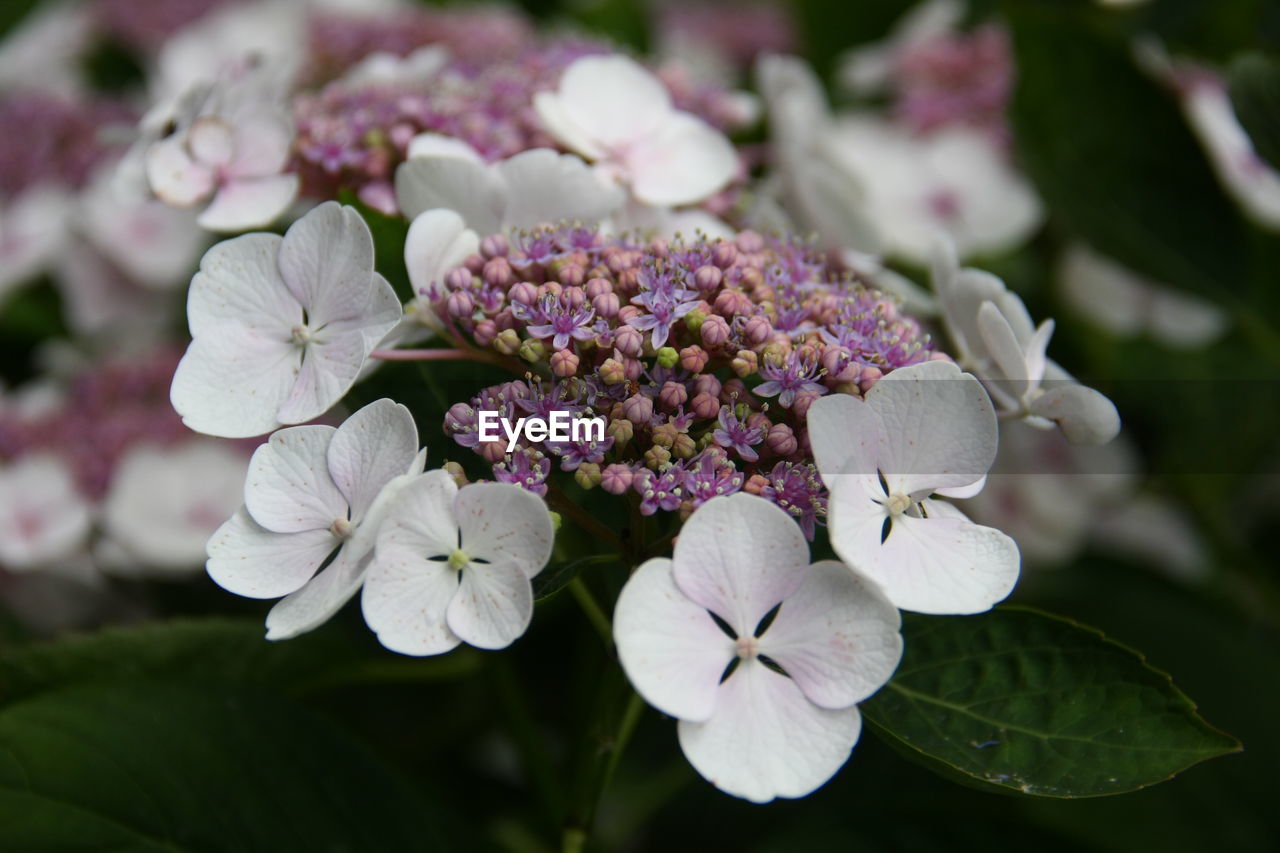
[532, 351]
[564, 363]
[587, 475]
[802, 401]
[750, 242]
[628, 313]
[657, 457]
[758, 329]
[725, 254]
[755, 485]
[730, 302]
[664, 435]
[460, 304]
[494, 245]
[684, 447]
[458, 278]
[707, 383]
[781, 440]
[598, 286]
[694, 319]
[744, 363]
[638, 409]
[668, 357]
[492, 451]
[497, 271]
[707, 278]
[551, 288]
[571, 275]
[870, 376]
[507, 342]
[573, 297]
[693, 358]
[616, 479]
[672, 396]
[628, 339]
[484, 333]
[611, 372]
[454, 470]
[714, 332]
[705, 405]
[606, 305]
[621, 431]
[523, 292]
[839, 364]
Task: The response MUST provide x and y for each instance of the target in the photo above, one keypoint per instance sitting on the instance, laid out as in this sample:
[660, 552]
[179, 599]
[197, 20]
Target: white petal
[249, 203]
[422, 521]
[321, 597]
[405, 598]
[164, 503]
[437, 242]
[766, 740]
[685, 161]
[263, 143]
[231, 383]
[1085, 416]
[330, 366]
[555, 119]
[43, 518]
[613, 99]
[174, 177]
[837, 637]
[1008, 381]
[471, 189]
[503, 523]
[239, 284]
[493, 606]
[436, 145]
[288, 488]
[249, 560]
[371, 447]
[939, 564]
[326, 260]
[671, 649]
[738, 557]
[545, 187]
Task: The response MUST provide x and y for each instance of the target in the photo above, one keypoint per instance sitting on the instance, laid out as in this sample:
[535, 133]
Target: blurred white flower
[869, 69]
[229, 146]
[281, 327]
[920, 430]
[43, 518]
[618, 115]
[996, 339]
[314, 497]
[536, 187]
[47, 48]
[747, 728]
[389, 69]
[454, 565]
[33, 231]
[1127, 304]
[165, 503]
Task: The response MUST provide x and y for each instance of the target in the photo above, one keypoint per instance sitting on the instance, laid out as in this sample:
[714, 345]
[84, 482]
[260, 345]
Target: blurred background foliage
[474, 751]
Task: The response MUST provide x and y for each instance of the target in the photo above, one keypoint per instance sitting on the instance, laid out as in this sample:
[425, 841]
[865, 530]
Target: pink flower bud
[474, 263]
[750, 242]
[523, 292]
[507, 342]
[458, 278]
[572, 275]
[564, 363]
[782, 440]
[693, 359]
[756, 484]
[705, 405]
[725, 254]
[461, 304]
[632, 367]
[628, 339]
[760, 421]
[638, 408]
[839, 364]
[494, 245]
[497, 271]
[597, 286]
[758, 329]
[714, 331]
[745, 363]
[707, 278]
[606, 304]
[611, 372]
[551, 288]
[870, 375]
[802, 401]
[616, 479]
[706, 384]
[484, 332]
[672, 396]
[731, 302]
[573, 297]
[628, 312]
[492, 451]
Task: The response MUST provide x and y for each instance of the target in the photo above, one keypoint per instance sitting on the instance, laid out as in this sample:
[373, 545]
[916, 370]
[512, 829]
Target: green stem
[595, 614]
[537, 762]
[566, 507]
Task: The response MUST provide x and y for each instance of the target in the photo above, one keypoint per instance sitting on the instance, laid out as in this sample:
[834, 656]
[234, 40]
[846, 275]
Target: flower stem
[424, 355]
[589, 606]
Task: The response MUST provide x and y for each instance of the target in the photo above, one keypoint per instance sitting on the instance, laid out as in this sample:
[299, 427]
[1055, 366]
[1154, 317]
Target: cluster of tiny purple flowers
[702, 357]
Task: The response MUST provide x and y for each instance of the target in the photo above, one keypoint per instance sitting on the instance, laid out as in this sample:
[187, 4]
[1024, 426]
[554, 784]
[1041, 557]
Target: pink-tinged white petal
[739, 556]
[326, 261]
[321, 597]
[288, 488]
[557, 121]
[493, 605]
[671, 649]
[544, 187]
[374, 445]
[239, 286]
[332, 363]
[262, 145]
[613, 99]
[837, 637]
[684, 161]
[175, 177]
[249, 560]
[436, 145]
[165, 503]
[211, 141]
[245, 203]
[472, 189]
[503, 523]
[422, 520]
[437, 242]
[404, 600]
[43, 518]
[766, 739]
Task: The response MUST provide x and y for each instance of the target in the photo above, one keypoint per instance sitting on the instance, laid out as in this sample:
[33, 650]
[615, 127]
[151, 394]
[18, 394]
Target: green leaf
[550, 581]
[1111, 154]
[152, 767]
[1255, 94]
[1036, 704]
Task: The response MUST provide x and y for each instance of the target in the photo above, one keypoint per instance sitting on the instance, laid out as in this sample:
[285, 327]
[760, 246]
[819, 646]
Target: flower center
[897, 504]
[458, 560]
[301, 334]
[748, 647]
[340, 528]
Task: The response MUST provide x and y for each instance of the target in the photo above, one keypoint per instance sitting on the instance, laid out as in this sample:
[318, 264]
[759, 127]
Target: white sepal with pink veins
[43, 517]
[315, 494]
[455, 566]
[618, 115]
[228, 150]
[922, 430]
[281, 327]
[749, 729]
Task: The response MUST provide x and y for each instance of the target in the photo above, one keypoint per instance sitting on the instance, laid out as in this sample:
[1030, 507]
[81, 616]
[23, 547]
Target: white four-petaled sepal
[920, 430]
[454, 565]
[784, 719]
[281, 327]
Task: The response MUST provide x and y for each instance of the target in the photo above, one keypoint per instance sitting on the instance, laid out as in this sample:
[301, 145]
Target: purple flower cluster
[674, 346]
[956, 78]
[61, 141]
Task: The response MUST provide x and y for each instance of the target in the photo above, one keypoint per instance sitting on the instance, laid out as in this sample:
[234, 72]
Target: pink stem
[422, 355]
